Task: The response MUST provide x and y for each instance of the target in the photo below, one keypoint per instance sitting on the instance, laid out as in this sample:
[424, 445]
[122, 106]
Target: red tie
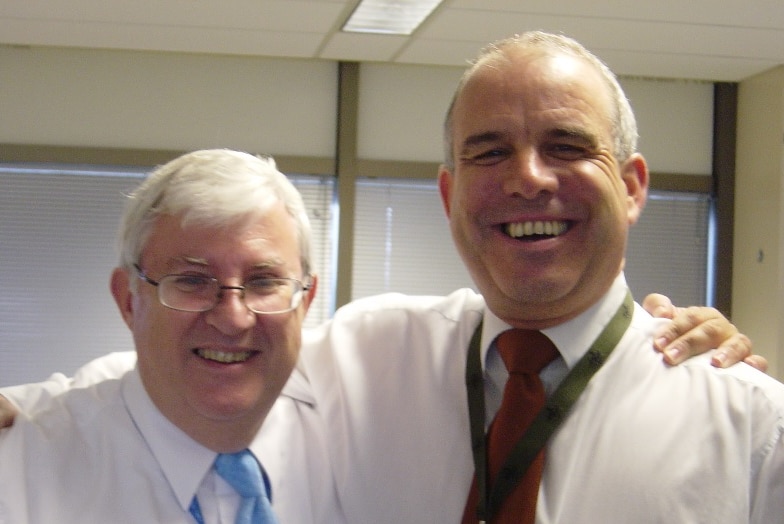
[525, 353]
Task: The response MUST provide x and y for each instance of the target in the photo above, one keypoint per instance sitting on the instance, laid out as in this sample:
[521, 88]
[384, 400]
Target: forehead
[271, 235]
[517, 83]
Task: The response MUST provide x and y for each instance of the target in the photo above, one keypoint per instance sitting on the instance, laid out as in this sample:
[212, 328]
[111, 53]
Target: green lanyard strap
[545, 423]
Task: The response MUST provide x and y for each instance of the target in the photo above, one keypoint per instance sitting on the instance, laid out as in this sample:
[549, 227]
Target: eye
[191, 283]
[566, 151]
[264, 285]
[487, 157]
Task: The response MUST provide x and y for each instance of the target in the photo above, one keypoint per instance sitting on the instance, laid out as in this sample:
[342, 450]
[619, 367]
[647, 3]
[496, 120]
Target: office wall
[97, 98]
[758, 275]
[170, 101]
[401, 109]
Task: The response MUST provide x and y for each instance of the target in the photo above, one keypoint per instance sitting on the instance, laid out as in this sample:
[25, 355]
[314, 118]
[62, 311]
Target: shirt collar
[183, 461]
[298, 387]
[572, 338]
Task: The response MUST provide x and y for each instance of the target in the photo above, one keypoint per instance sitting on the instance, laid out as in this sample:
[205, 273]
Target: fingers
[658, 306]
[736, 349]
[695, 330]
[757, 361]
[7, 412]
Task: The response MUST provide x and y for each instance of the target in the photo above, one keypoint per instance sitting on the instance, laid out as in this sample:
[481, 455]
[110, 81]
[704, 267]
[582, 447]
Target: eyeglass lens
[197, 293]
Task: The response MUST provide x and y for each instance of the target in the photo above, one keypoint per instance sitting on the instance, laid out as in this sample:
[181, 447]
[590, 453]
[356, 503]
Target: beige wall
[401, 109]
[171, 101]
[99, 98]
[758, 276]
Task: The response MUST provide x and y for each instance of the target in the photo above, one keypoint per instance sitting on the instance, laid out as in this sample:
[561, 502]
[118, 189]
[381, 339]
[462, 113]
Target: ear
[121, 291]
[445, 181]
[634, 173]
[310, 294]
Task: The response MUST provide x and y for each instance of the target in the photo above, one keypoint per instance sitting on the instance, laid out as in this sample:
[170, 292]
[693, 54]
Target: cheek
[609, 179]
[472, 194]
[600, 185]
[159, 333]
[621, 202]
[283, 334]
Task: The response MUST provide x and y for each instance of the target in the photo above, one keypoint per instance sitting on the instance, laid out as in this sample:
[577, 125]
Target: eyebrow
[266, 265]
[196, 261]
[575, 133]
[481, 138]
[269, 264]
[193, 260]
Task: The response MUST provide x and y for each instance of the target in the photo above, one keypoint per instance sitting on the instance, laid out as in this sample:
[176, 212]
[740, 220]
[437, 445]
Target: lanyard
[545, 423]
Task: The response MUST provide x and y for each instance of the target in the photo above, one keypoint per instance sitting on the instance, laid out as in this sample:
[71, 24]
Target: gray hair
[624, 124]
[214, 187]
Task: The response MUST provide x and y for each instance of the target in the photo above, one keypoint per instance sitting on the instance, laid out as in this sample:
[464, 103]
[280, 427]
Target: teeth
[539, 227]
[224, 357]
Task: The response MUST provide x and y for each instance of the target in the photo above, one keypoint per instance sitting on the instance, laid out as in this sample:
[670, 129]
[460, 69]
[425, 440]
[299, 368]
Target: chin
[536, 292]
[228, 408]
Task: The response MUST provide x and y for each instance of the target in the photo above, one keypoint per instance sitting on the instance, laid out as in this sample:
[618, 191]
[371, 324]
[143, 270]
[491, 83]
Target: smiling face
[538, 205]
[217, 373]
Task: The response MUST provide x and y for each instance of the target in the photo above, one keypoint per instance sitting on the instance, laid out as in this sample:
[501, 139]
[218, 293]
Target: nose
[230, 315]
[530, 176]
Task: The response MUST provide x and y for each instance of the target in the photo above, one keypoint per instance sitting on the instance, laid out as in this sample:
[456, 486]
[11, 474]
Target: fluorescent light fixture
[389, 17]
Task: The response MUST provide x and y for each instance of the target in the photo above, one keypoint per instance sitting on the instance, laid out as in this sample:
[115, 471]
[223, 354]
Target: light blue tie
[243, 472]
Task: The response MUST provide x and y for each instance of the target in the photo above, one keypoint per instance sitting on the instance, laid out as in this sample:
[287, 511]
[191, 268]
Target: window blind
[669, 248]
[403, 243]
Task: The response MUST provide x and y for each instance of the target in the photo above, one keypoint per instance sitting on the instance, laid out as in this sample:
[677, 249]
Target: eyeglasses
[196, 293]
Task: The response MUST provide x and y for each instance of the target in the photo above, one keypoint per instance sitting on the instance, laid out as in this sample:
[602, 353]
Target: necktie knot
[241, 471]
[525, 351]
[244, 473]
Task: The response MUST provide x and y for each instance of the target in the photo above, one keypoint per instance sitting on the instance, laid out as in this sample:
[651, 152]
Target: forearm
[30, 398]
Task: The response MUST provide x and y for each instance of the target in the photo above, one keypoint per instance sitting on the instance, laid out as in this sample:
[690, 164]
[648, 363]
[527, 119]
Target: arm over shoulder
[31, 398]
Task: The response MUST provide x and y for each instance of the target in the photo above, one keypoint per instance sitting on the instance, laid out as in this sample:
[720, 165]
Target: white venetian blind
[318, 193]
[669, 248]
[403, 243]
[57, 250]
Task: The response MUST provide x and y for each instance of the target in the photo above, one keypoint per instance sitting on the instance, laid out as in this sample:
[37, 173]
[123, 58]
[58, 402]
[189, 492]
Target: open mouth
[536, 230]
[223, 357]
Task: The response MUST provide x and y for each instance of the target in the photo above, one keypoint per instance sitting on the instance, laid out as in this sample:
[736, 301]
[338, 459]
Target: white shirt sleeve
[32, 398]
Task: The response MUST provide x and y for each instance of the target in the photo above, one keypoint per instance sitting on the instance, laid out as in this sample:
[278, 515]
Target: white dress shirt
[105, 454]
[645, 443]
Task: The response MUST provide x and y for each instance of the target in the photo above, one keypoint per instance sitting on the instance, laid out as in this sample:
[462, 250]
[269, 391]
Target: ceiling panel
[725, 40]
[760, 13]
